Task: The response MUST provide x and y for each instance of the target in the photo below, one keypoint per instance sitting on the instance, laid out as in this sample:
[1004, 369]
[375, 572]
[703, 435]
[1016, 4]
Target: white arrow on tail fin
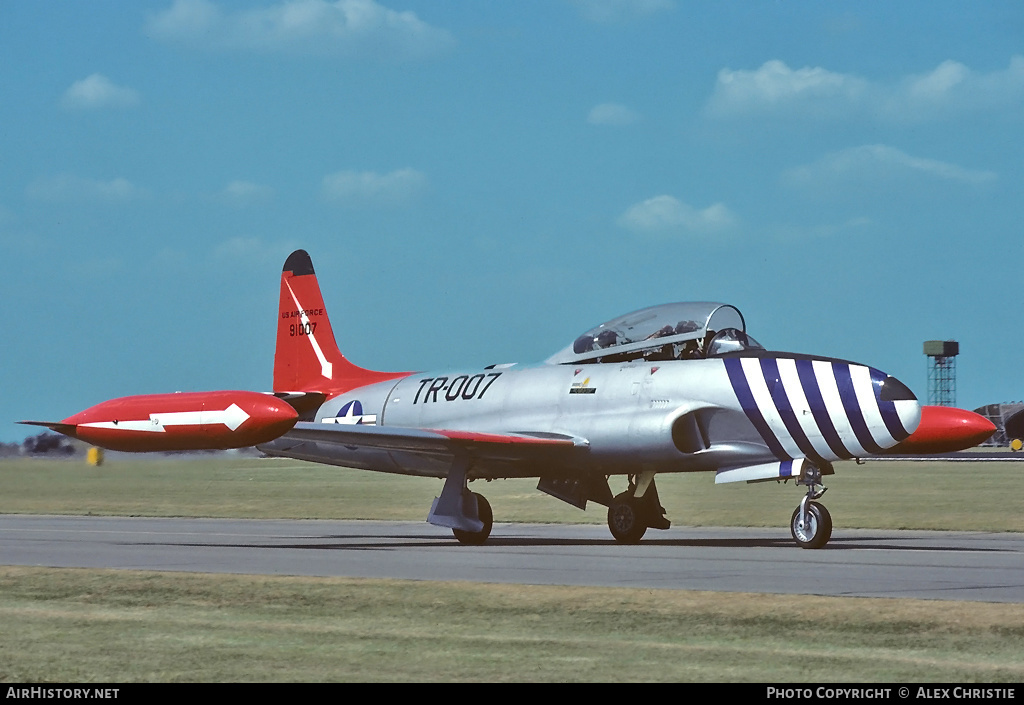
[232, 417]
[326, 368]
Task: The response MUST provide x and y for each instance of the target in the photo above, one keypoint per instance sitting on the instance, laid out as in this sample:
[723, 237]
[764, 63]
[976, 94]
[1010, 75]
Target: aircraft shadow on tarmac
[413, 541]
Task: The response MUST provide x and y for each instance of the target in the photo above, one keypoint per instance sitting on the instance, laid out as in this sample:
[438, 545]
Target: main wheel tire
[483, 511]
[625, 520]
[817, 530]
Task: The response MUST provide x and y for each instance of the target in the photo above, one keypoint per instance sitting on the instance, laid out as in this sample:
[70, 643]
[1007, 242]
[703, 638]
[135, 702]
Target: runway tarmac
[966, 566]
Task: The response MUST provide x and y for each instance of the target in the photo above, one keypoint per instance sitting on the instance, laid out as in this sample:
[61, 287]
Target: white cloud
[668, 215]
[67, 187]
[367, 188]
[612, 11]
[185, 19]
[97, 91]
[954, 88]
[612, 114]
[939, 82]
[950, 88]
[342, 27]
[775, 87]
[878, 161]
[244, 193]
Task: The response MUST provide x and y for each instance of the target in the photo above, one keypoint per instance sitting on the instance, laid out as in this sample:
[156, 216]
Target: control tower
[941, 371]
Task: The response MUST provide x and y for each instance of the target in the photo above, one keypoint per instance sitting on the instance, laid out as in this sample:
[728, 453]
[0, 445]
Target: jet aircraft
[680, 387]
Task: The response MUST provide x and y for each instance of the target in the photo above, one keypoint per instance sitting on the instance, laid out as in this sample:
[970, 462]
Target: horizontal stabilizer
[304, 403]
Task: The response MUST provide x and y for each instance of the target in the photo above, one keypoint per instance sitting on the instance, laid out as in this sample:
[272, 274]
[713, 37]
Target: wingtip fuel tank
[182, 421]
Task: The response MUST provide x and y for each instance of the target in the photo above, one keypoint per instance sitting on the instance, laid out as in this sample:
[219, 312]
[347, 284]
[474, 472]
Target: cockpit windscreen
[667, 332]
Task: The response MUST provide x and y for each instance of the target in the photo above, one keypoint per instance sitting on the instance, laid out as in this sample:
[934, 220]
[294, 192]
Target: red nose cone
[945, 429]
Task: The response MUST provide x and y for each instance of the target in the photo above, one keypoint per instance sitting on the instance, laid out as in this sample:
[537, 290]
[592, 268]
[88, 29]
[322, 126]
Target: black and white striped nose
[822, 409]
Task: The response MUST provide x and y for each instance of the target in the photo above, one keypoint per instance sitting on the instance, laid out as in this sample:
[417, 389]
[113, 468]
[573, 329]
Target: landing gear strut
[633, 511]
[811, 524]
[466, 513]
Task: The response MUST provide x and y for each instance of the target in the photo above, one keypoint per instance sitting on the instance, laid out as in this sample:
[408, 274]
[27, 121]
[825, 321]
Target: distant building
[1009, 422]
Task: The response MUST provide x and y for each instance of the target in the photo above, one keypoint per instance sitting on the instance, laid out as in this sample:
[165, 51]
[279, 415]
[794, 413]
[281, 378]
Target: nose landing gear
[811, 524]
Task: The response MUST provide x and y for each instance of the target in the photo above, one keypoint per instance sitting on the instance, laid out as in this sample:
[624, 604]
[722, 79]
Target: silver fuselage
[670, 416]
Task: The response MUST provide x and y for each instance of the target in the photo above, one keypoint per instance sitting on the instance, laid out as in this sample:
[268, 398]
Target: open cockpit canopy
[676, 331]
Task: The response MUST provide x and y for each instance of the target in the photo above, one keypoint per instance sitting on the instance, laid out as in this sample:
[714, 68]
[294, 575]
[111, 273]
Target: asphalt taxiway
[986, 567]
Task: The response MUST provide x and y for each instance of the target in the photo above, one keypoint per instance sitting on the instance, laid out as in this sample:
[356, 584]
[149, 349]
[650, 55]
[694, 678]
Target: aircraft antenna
[941, 371]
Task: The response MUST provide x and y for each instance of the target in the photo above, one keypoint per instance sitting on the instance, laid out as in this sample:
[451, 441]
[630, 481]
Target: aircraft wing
[491, 446]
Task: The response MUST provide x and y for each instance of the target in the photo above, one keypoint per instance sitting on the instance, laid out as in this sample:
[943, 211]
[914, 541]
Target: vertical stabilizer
[307, 358]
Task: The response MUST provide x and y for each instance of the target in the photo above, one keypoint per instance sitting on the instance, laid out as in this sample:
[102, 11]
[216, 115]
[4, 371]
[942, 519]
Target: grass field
[124, 626]
[106, 626]
[885, 495]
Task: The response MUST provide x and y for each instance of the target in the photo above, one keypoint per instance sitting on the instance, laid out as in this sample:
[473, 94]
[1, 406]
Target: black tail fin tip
[299, 263]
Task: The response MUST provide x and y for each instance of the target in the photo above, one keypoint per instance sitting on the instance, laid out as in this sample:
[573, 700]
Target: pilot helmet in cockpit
[606, 339]
[662, 332]
[583, 344]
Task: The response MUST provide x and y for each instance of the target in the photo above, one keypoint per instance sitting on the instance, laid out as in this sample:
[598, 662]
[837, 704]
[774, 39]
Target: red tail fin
[307, 358]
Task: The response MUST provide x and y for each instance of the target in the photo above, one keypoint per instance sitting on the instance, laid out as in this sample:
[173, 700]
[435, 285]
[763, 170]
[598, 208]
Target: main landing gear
[630, 513]
[633, 511]
[486, 517]
[811, 524]
[466, 513]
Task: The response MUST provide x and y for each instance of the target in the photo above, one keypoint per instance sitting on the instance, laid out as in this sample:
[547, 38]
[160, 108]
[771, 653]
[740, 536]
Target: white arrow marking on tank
[232, 417]
[325, 367]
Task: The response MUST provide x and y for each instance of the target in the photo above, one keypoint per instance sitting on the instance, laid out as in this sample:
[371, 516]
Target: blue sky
[481, 181]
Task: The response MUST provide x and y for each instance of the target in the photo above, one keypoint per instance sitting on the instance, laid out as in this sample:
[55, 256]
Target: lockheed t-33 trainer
[681, 387]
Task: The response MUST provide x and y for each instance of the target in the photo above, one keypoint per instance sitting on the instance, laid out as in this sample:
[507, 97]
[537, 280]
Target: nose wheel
[811, 525]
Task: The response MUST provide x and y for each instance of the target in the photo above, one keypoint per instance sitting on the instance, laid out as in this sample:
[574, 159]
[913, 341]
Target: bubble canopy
[669, 331]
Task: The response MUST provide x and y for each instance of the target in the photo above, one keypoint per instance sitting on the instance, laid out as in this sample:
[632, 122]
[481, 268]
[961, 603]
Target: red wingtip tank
[945, 429]
[181, 421]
